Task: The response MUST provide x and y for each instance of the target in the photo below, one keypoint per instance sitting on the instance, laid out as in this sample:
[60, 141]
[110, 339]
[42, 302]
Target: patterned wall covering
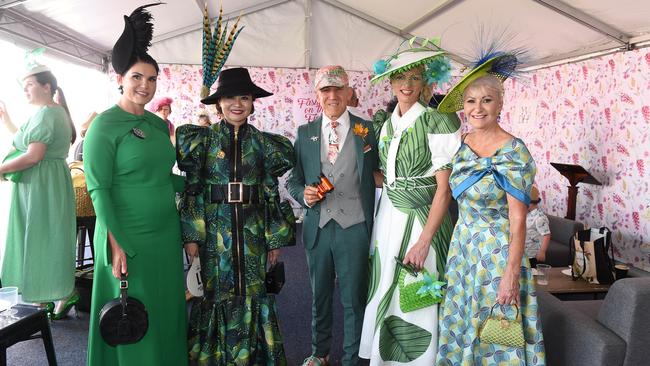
[594, 113]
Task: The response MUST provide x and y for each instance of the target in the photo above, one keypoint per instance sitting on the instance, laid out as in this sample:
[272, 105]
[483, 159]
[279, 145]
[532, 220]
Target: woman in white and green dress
[412, 224]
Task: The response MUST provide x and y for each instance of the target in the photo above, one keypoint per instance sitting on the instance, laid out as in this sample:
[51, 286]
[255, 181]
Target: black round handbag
[123, 320]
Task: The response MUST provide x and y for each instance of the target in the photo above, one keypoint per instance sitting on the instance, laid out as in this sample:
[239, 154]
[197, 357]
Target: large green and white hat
[437, 66]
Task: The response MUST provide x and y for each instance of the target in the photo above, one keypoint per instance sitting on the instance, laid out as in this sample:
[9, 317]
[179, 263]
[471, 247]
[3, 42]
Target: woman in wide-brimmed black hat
[232, 219]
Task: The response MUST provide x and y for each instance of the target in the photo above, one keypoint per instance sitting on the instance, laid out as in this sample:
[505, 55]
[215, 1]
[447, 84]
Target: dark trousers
[341, 253]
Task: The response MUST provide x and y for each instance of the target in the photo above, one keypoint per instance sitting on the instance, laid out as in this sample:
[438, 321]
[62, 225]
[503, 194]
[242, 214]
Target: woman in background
[40, 248]
[162, 107]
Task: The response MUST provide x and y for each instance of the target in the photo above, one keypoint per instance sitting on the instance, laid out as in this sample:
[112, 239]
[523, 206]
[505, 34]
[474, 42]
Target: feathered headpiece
[135, 39]
[437, 68]
[493, 58]
[216, 48]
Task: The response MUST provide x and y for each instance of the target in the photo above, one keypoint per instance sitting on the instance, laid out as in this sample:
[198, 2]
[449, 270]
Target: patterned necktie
[333, 149]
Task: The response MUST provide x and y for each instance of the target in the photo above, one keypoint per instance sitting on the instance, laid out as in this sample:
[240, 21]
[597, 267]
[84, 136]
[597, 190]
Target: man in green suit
[337, 227]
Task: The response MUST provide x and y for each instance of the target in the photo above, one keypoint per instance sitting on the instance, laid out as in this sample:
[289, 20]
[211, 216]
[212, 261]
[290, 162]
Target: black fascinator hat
[134, 41]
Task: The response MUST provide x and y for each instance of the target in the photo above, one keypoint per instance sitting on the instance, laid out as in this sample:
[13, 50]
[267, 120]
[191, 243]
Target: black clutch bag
[123, 320]
[275, 278]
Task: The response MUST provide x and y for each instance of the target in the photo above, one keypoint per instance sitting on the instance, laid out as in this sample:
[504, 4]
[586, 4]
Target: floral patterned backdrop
[594, 113]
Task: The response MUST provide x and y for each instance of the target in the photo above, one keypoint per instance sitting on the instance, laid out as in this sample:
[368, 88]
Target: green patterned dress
[236, 322]
[411, 149]
[478, 255]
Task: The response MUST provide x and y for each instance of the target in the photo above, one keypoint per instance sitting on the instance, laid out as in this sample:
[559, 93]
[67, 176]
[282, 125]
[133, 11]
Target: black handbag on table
[275, 278]
[123, 320]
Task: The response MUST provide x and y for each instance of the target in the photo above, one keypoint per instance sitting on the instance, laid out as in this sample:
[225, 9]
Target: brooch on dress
[314, 138]
[139, 133]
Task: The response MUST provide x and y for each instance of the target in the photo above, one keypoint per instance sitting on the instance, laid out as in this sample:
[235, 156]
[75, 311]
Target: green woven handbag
[419, 292]
[13, 176]
[501, 330]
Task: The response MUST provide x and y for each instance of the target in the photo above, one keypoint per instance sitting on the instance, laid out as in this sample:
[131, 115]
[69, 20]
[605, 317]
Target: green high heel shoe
[71, 301]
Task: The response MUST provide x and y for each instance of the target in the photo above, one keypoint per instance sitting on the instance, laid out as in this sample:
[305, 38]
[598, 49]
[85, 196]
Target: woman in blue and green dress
[492, 176]
[233, 220]
[412, 224]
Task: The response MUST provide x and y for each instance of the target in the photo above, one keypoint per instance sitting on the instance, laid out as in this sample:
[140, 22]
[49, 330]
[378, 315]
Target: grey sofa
[562, 230]
[610, 332]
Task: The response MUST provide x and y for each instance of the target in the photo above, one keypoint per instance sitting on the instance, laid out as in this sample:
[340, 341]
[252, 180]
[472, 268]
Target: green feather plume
[217, 45]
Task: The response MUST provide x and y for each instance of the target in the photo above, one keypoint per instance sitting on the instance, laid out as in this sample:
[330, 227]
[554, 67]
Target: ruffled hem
[240, 330]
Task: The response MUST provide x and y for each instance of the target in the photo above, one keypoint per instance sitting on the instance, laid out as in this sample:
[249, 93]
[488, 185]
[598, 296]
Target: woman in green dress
[233, 220]
[128, 161]
[412, 224]
[40, 248]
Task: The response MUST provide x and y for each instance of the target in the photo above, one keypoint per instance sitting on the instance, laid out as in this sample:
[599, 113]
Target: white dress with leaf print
[411, 149]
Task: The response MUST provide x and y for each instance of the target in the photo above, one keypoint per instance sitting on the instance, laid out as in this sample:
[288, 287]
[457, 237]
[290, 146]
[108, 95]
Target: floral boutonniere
[362, 132]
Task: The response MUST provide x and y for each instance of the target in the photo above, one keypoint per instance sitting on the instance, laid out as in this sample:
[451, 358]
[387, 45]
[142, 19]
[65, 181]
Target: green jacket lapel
[315, 139]
[358, 144]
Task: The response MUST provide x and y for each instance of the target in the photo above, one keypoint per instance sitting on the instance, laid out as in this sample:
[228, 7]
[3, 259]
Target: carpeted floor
[294, 304]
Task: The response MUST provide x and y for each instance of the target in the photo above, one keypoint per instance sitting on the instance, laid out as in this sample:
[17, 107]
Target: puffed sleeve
[43, 128]
[190, 156]
[279, 220]
[100, 147]
[443, 136]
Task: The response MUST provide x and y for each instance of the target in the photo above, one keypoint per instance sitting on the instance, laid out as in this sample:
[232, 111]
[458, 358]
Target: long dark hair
[47, 77]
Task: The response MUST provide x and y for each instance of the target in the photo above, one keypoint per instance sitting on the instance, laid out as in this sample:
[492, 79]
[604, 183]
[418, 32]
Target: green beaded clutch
[501, 330]
[13, 176]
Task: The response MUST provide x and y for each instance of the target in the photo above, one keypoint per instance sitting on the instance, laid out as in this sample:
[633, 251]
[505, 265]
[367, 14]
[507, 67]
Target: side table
[28, 321]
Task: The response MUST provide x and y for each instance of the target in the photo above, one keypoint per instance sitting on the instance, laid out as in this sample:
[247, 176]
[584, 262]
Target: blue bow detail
[430, 287]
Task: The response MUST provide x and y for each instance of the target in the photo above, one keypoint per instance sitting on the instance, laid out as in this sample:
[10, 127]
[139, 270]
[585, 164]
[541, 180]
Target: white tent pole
[586, 20]
[308, 15]
[228, 16]
[383, 25]
[577, 56]
[368, 18]
[435, 11]
[36, 33]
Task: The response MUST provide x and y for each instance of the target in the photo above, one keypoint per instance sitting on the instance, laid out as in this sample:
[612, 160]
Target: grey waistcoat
[343, 204]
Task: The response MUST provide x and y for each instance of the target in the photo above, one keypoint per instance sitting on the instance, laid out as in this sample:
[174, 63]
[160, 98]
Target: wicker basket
[81, 195]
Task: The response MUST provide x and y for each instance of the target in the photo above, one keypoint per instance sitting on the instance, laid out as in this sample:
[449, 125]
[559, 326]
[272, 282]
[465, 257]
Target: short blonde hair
[488, 81]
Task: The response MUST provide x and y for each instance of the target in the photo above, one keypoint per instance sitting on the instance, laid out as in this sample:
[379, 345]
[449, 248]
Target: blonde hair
[488, 81]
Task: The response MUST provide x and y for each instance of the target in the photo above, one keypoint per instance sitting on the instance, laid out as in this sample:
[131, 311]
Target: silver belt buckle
[241, 192]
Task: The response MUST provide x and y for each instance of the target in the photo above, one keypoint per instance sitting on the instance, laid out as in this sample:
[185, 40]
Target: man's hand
[310, 195]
